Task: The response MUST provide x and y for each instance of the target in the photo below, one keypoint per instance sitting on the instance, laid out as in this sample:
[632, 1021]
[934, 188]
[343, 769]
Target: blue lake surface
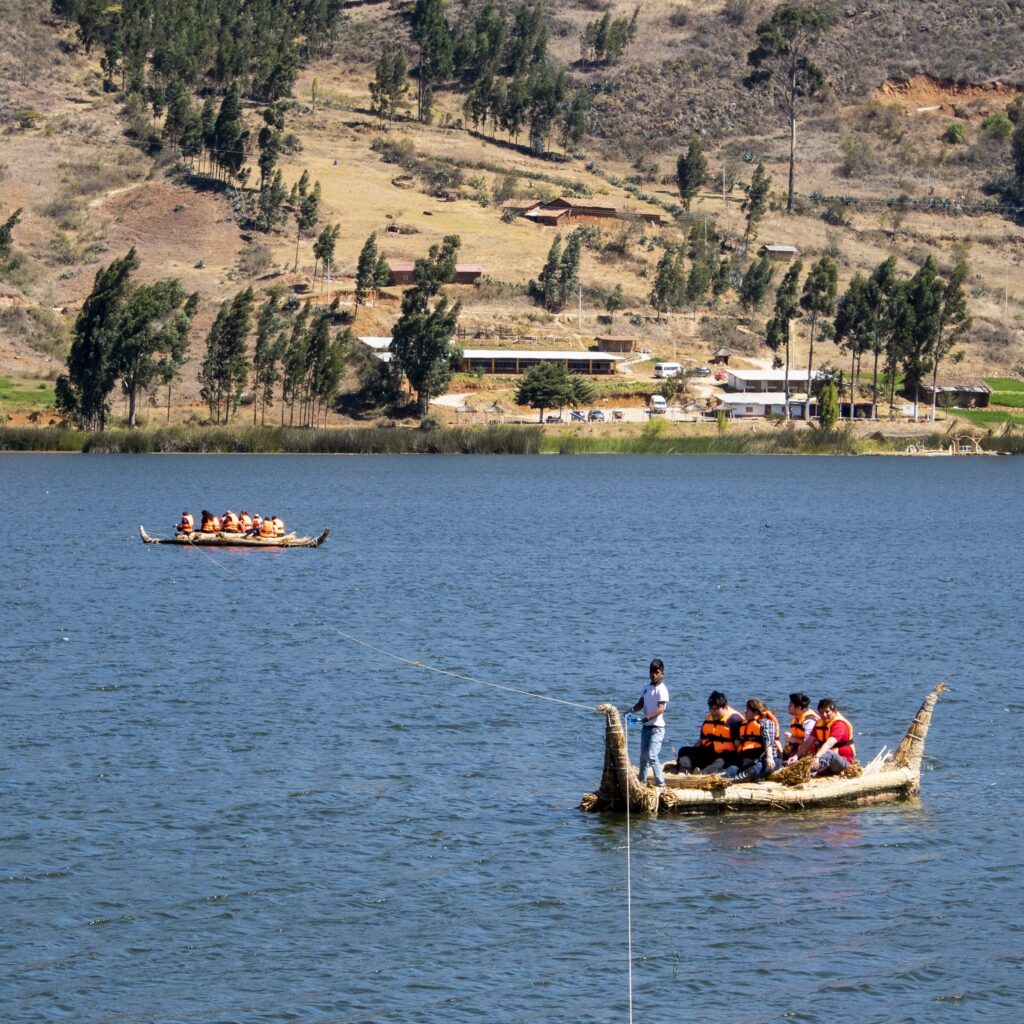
[215, 808]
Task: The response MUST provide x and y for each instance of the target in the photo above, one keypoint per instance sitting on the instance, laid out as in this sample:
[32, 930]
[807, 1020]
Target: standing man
[653, 702]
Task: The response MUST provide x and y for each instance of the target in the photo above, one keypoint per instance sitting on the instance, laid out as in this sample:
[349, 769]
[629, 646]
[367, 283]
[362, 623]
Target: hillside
[89, 191]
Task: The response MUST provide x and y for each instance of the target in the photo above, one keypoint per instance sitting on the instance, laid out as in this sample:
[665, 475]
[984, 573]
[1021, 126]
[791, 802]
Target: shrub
[997, 126]
[855, 156]
[836, 214]
[679, 18]
[737, 11]
[954, 133]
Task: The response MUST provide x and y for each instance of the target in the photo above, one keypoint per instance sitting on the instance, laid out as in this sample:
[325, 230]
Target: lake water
[215, 808]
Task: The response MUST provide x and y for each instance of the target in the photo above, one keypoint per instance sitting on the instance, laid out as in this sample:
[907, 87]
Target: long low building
[766, 380]
[510, 361]
[762, 403]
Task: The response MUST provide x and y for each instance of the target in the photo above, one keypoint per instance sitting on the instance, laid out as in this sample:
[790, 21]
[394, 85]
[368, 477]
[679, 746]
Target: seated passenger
[759, 747]
[229, 522]
[716, 748]
[257, 523]
[278, 527]
[187, 524]
[267, 527]
[208, 522]
[801, 722]
[246, 521]
[831, 741]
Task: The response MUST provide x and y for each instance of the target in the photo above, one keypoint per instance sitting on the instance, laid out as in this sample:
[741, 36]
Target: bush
[997, 126]
[836, 214]
[855, 156]
[737, 11]
[679, 18]
[954, 133]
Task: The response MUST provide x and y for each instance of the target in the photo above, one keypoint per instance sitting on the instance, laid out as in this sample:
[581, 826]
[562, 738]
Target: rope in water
[508, 689]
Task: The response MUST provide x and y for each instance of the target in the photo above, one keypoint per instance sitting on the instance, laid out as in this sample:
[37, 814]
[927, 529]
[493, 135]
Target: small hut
[779, 253]
[720, 358]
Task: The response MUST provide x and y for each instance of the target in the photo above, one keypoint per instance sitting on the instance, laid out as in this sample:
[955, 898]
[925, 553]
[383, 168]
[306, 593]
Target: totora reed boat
[888, 778]
[235, 540]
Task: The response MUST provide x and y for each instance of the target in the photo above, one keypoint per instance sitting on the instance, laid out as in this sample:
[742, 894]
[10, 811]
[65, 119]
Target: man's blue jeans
[650, 752]
[831, 763]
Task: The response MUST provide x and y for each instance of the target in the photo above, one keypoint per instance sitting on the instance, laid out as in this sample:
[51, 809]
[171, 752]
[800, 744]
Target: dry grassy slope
[110, 197]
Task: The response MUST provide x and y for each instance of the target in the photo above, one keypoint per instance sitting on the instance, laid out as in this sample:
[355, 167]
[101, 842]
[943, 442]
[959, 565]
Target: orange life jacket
[187, 524]
[246, 523]
[823, 730]
[718, 734]
[278, 527]
[267, 528]
[750, 733]
[257, 523]
[800, 725]
[214, 524]
[230, 523]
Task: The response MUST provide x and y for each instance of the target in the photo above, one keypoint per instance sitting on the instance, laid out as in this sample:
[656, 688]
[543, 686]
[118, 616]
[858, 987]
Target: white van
[665, 370]
[657, 404]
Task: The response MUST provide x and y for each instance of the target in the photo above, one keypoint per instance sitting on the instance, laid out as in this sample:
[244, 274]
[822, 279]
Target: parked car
[577, 417]
[702, 371]
[665, 370]
[596, 416]
[657, 404]
[618, 414]
[553, 418]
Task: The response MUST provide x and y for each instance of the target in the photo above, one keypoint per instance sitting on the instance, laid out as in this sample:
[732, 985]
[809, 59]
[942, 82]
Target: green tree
[82, 393]
[755, 284]
[265, 357]
[550, 290]
[324, 247]
[7, 233]
[225, 367]
[615, 300]
[545, 386]
[574, 120]
[755, 205]
[779, 328]
[691, 172]
[270, 142]
[270, 205]
[366, 269]
[389, 85]
[828, 407]
[421, 342]
[294, 363]
[924, 297]
[229, 134]
[307, 212]
[433, 35]
[857, 329]
[818, 300]
[954, 319]
[669, 289]
[1017, 154]
[149, 336]
[782, 63]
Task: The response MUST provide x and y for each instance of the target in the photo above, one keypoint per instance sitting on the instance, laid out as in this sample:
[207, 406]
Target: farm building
[962, 394]
[763, 403]
[404, 273]
[720, 358]
[765, 380]
[779, 253]
[521, 206]
[616, 344]
[511, 361]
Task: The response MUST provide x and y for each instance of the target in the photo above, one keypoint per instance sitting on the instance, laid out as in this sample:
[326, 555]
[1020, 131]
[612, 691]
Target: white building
[761, 403]
[766, 380]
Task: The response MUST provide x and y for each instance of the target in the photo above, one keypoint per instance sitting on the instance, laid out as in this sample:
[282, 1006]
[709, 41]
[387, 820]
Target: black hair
[800, 700]
[657, 663]
[826, 704]
[717, 700]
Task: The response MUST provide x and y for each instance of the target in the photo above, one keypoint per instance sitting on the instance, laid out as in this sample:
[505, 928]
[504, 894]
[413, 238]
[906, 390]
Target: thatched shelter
[886, 779]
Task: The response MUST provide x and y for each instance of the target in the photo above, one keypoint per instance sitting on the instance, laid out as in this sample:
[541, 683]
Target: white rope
[418, 664]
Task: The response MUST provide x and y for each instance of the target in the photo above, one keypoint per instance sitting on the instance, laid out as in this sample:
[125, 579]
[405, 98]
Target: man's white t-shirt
[653, 696]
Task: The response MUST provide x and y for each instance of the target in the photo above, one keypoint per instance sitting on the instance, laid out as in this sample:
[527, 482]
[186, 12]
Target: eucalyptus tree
[389, 85]
[818, 300]
[782, 63]
[755, 203]
[954, 320]
[924, 297]
[779, 327]
[225, 366]
[306, 212]
[857, 328]
[265, 356]
[366, 269]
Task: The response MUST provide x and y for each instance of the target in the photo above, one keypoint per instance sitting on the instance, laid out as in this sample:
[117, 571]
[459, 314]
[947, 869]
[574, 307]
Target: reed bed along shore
[493, 440]
[515, 439]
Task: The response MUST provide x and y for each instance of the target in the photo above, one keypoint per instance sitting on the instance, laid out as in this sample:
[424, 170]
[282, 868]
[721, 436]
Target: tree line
[138, 335]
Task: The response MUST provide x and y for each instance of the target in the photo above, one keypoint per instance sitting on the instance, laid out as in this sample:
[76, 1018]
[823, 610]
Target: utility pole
[327, 263]
[580, 284]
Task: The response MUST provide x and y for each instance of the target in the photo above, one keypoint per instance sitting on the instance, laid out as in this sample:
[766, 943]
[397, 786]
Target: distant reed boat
[888, 778]
[235, 540]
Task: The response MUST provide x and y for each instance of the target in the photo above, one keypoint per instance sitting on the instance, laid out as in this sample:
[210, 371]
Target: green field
[989, 417]
[1005, 383]
[21, 394]
[1007, 399]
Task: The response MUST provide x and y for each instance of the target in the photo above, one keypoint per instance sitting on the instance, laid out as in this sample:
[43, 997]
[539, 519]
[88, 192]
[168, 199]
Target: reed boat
[235, 540]
[888, 778]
